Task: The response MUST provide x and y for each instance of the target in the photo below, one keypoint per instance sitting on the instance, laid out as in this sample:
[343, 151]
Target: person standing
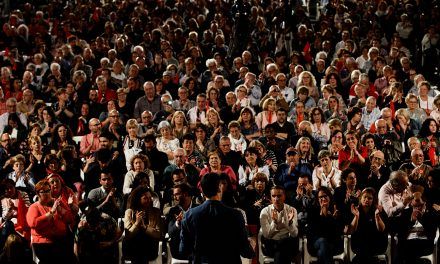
[212, 232]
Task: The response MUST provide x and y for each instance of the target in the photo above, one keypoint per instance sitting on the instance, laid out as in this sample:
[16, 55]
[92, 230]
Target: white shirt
[321, 179]
[281, 228]
[192, 115]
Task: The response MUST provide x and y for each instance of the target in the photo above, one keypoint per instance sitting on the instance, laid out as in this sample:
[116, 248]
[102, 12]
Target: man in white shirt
[370, 113]
[197, 114]
[11, 107]
[279, 223]
[286, 91]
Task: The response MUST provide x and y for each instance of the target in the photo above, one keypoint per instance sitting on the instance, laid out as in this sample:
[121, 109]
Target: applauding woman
[142, 227]
[49, 220]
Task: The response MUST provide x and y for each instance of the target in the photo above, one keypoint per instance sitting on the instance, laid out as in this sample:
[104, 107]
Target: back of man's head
[210, 184]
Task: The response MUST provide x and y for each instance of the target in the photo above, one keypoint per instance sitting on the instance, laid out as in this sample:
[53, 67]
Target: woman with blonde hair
[306, 152]
[138, 163]
[415, 112]
[179, 125]
[131, 144]
[268, 115]
[214, 124]
[307, 79]
[404, 126]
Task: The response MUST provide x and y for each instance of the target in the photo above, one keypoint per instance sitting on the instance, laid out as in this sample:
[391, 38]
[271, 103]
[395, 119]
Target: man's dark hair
[184, 188]
[188, 137]
[210, 184]
[104, 155]
[150, 137]
[107, 135]
[178, 172]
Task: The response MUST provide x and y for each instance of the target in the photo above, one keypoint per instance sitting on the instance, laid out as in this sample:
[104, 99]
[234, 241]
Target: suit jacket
[214, 233]
[174, 230]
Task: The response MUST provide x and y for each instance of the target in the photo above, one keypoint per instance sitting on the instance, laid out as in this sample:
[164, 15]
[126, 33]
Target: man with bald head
[416, 169]
[90, 142]
[180, 162]
[378, 173]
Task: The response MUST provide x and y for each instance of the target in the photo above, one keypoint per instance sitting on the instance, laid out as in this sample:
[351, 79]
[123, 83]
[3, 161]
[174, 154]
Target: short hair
[303, 90]
[142, 157]
[324, 153]
[41, 184]
[278, 187]
[210, 184]
[184, 188]
[396, 178]
[346, 172]
[260, 176]
[103, 155]
[188, 136]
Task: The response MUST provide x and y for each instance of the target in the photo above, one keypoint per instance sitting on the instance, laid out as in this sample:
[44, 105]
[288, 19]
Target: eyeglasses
[44, 191]
[377, 158]
[95, 124]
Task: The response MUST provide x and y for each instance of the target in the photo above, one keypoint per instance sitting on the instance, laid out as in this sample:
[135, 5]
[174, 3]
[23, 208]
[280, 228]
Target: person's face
[93, 95]
[281, 117]
[146, 118]
[303, 182]
[271, 106]
[351, 181]
[212, 118]
[357, 117]
[149, 90]
[381, 127]
[146, 199]
[304, 146]
[371, 104]
[104, 143]
[292, 158]
[46, 116]
[214, 161]
[337, 139]
[132, 131]
[179, 158]
[316, 116]
[225, 146]
[430, 182]
[251, 158]
[188, 145]
[260, 185]
[178, 196]
[84, 110]
[165, 132]
[95, 126]
[324, 199]
[302, 97]
[417, 157]
[326, 163]
[9, 190]
[11, 107]
[106, 181]
[201, 103]
[351, 140]
[412, 103]
[433, 127]
[55, 184]
[179, 178]
[413, 144]
[246, 116]
[44, 195]
[277, 197]
[149, 144]
[282, 82]
[369, 143]
[230, 99]
[235, 132]
[183, 94]
[332, 103]
[18, 167]
[367, 200]
[306, 79]
[62, 132]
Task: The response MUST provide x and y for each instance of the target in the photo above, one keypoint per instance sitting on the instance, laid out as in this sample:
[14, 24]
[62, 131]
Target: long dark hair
[424, 130]
[134, 200]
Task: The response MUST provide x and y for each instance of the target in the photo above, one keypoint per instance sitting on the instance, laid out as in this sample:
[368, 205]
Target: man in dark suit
[212, 232]
[184, 201]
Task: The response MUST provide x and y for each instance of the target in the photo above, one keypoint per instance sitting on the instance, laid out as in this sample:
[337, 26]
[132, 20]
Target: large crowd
[321, 118]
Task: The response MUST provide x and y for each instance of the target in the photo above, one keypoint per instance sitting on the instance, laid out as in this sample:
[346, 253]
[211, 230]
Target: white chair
[382, 257]
[170, 259]
[263, 259]
[77, 139]
[433, 256]
[158, 260]
[339, 258]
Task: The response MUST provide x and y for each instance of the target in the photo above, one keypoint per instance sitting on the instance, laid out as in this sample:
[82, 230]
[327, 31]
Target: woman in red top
[215, 166]
[49, 220]
[60, 190]
[353, 153]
